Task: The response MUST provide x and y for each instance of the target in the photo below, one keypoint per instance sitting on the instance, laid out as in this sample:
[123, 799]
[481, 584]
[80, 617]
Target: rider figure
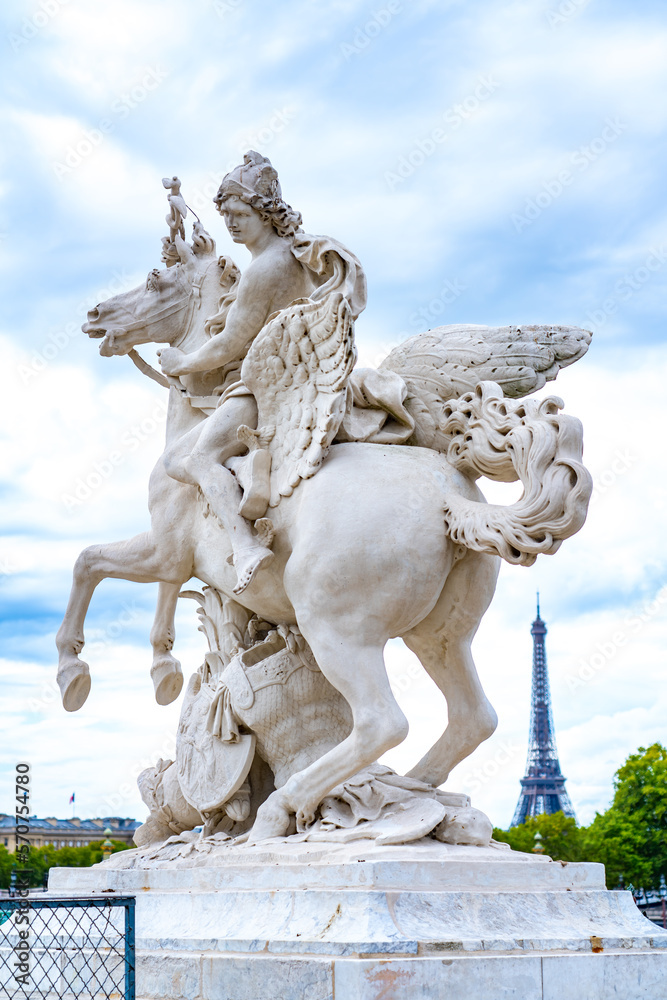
[286, 265]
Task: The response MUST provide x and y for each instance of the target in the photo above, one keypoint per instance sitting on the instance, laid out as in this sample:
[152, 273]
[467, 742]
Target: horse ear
[184, 250]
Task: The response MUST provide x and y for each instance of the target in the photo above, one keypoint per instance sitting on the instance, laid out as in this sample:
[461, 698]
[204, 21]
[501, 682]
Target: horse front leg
[139, 559]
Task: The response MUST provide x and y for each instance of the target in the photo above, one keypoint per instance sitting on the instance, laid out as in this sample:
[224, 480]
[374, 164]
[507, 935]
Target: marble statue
[259, 711]
[324, 509]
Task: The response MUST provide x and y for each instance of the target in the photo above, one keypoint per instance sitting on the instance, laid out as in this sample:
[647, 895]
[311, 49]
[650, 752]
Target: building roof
[51, 824]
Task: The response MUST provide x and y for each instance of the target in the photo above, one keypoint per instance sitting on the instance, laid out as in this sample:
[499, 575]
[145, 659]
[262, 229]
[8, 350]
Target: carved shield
[210, 771]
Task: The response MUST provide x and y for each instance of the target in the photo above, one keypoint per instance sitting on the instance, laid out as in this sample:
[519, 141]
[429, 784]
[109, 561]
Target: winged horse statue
[370, 539]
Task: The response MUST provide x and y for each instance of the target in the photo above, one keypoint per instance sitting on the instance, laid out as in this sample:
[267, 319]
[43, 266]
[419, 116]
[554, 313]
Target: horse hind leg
[358, 672]
[140, 560]
[442, 643]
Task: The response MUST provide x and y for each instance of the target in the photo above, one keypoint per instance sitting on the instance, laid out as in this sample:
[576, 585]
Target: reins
[143, 366]
[147, 369]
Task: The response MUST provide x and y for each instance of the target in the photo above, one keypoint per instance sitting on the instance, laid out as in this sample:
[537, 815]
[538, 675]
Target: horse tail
[505, 440]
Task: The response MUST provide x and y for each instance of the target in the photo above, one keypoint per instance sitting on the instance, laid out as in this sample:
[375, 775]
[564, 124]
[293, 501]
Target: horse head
[171, 306]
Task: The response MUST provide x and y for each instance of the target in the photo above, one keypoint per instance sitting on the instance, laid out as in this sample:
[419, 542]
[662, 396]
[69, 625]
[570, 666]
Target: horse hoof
[167, 679]
[273, 820]
[74, 683]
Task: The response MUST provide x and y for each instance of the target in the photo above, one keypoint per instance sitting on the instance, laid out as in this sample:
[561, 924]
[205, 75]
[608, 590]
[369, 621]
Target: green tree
[42, 859]
[630, 838]
[561, 837]
[6, 862]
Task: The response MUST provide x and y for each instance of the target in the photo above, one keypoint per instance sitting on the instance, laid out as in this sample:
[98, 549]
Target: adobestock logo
[452, 119]
[59, 340]
[103, 469]
[621, 463]
[92, 138]
[128, 789]
[448, 294]
[606, 650]
[581, 159]
[564, 11]
[491, 768]
[8, 567]
[627, 286]
[368, 32]
[224, 7]
[35, 22]
[279, 120]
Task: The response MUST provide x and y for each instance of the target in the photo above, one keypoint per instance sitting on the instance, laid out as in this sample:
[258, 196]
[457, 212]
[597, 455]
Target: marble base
[424, 920]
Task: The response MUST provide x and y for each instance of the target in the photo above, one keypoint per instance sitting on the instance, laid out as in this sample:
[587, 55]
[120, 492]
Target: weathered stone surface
[293, 864]
[457, 922]
[259, 978]
[610, 974]
[323, 908]
[509, 978]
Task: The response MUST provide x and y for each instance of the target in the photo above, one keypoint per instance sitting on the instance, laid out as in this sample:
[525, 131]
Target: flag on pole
[71, 798]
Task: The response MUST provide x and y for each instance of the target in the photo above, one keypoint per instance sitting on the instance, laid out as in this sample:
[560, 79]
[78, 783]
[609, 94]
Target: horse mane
[505, 440]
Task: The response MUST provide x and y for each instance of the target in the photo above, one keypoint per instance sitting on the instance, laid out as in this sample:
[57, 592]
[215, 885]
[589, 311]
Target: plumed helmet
[256, 183]
[255, 176]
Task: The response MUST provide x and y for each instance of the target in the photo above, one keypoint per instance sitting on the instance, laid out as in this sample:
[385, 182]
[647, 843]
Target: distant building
[543, 785]
[73, 832]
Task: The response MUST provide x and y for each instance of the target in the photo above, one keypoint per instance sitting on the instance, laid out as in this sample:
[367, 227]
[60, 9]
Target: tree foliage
[629, 839]
[42, 859]
[561, 837]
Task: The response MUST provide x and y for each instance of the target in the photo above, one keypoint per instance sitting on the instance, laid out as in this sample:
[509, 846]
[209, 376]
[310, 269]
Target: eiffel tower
[543, 785]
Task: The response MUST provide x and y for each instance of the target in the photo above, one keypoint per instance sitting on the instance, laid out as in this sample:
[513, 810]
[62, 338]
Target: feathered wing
[297, 368]
[450, 361]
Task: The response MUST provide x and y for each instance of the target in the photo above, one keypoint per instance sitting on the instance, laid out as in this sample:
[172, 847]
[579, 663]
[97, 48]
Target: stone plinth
[358, 922]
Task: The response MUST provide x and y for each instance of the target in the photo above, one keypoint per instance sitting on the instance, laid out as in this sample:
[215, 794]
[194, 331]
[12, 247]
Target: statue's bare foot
[248, 562]
[273, 820]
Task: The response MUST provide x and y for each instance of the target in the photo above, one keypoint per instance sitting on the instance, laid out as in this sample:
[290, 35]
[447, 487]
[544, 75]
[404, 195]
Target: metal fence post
[130, 959]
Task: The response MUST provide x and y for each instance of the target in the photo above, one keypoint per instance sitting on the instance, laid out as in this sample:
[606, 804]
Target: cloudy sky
[489, 162]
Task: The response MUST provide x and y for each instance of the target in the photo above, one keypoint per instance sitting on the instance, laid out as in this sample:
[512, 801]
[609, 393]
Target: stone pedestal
[357, 922]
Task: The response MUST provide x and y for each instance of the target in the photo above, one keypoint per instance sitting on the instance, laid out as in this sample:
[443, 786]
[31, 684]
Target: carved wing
[450, 361]
[297, 368]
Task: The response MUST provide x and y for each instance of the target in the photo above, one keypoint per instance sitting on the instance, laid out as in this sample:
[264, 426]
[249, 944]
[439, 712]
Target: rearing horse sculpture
[383, 541]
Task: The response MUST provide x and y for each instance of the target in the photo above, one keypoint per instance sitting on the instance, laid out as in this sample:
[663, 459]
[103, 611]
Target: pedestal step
[607, 976]
[421, 922]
